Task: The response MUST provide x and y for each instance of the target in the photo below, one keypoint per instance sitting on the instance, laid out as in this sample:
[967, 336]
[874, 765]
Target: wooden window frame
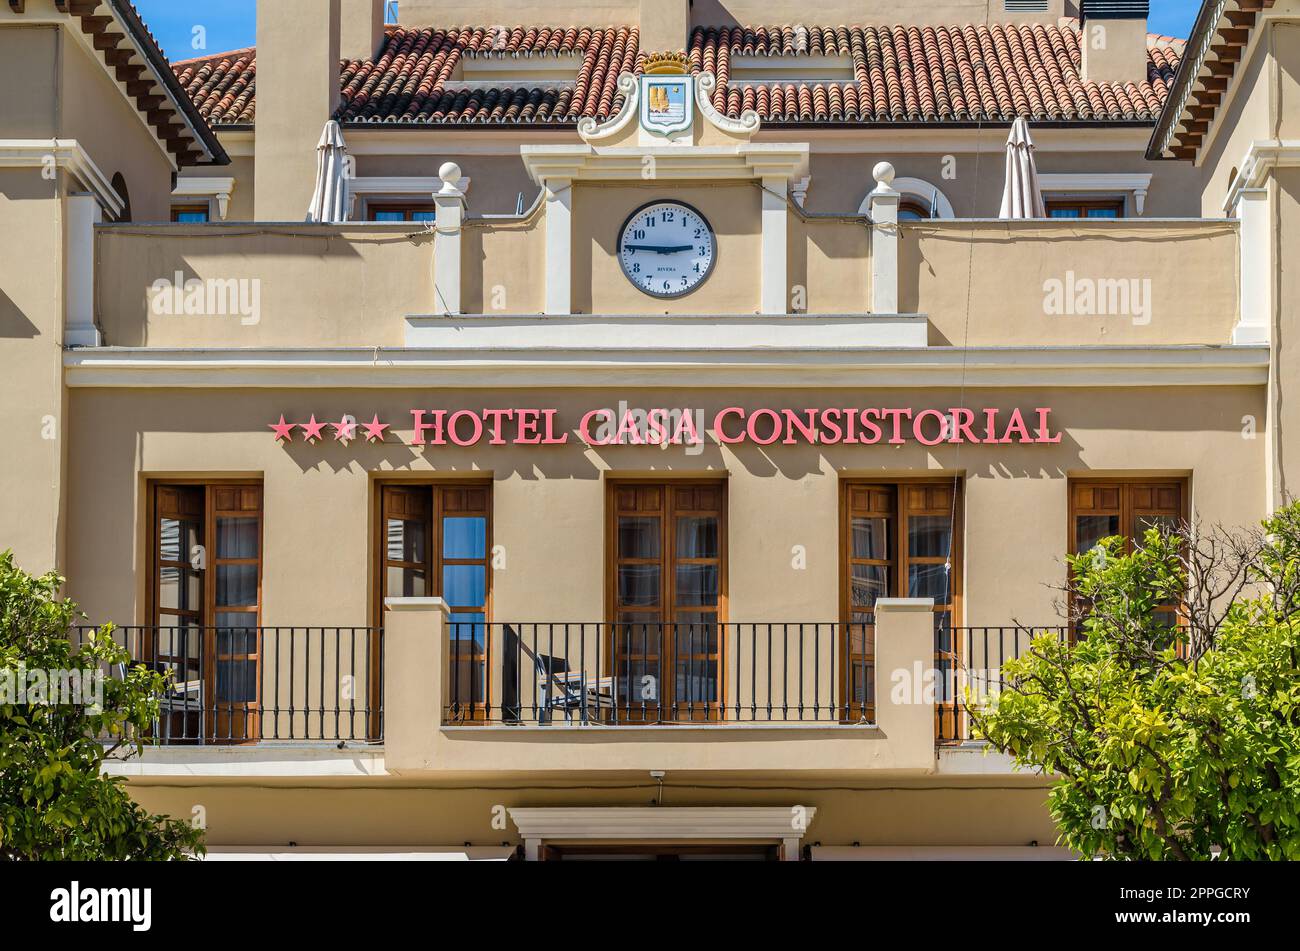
[667, 711]
[179, 209]
[899, 563]
[1084, 204]
[407, 208]
[248, 730]
[1126, 510]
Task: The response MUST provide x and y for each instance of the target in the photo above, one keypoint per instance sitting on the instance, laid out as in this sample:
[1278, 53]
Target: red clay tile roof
[933, 74]
[901, 75]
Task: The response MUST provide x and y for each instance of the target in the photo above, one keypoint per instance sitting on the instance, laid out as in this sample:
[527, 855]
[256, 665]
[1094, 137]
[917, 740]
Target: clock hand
[670, 249]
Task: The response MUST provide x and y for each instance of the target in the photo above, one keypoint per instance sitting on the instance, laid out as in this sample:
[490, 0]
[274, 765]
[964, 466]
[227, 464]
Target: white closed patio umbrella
[329, 202]
[1021, 197]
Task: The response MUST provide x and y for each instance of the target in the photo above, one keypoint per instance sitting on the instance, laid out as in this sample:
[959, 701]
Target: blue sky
[188, 28]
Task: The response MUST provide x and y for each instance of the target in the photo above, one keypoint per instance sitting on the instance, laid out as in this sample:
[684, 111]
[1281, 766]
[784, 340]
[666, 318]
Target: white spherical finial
[884, 173]
[449, 173]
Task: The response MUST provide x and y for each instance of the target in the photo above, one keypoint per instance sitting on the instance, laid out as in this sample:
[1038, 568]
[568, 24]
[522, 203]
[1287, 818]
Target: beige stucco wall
[969, 171]
[94, 111]
[317, 285]
[599, 285]
[1008, 812]
[31, 390]
[29, 81]
[318, 498]
[984, 283]
[1246, 118]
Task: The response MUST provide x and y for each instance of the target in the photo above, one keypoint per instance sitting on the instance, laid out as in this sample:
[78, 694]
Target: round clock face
[667, 248]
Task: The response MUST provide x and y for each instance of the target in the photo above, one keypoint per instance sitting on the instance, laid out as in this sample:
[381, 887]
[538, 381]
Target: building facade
[673, 431]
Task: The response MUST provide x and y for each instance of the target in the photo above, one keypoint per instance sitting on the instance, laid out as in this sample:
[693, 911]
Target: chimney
[665, 25]
[297, 92]
[361, 28]
[1113, 40]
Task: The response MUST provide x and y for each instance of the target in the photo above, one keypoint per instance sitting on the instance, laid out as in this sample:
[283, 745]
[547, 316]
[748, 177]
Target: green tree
[55, 802]
[1168, 743]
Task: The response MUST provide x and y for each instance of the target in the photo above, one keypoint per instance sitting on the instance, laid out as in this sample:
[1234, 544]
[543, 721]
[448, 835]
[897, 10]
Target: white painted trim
[919, 188]
[941, 853]
[1136, 184]
[743, 162]
[213, 189]
[665, 332]
[449, 218]
[559, 246]
[448, 853]
[1262, 156]
[783, 824]
[79, 330]
[884, 140]
[1256, 267]
[68, 155]
[380, 367]
[396, 186]
[258, 761]
[590, 130]
[773, 279]
[746, 124]
[882, 206]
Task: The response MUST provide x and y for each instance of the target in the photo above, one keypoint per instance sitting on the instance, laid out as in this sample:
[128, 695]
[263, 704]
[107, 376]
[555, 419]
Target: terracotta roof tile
[933, 74]
[921, 74]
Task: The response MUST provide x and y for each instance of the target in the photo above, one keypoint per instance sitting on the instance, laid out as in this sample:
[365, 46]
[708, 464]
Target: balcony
[530, 696]
[960, 283]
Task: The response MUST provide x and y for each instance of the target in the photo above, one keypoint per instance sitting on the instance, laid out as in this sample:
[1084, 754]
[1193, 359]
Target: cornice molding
[706, 368]
[65, 154]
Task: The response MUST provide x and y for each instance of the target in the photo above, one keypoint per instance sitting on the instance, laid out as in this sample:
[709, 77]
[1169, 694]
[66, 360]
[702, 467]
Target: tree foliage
[55, 802]
[1169, 743]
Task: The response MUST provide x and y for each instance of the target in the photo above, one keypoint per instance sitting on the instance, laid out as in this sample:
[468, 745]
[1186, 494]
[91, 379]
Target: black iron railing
[260, 684]
[968, 662]
[633, 674]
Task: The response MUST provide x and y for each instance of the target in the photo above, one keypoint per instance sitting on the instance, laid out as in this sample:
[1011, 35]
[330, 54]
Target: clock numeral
[667, 217]
[638, 235]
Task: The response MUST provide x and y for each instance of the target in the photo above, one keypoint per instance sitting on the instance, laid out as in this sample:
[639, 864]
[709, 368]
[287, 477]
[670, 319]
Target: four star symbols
[345, 430]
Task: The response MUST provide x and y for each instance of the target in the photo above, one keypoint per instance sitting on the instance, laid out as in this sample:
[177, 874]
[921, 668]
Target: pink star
[283, 430]
[311, 430]
[345, 430]
[375, 429]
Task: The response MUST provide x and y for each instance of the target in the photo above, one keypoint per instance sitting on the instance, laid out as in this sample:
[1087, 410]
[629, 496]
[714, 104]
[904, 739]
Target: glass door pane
[235, 636]
[639, 592]
[176, 646]
[461, 522]
[870, 574]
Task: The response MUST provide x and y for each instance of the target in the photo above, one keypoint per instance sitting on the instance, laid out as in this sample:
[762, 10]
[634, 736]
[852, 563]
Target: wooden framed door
[898, 539]
[667, 597]
[435, 542]
[205, 605]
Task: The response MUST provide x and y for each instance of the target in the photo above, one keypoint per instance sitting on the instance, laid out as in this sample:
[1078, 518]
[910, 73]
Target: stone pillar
[774, 285]
[415, 680]
[559, 246]
[904, 652]
[79, 328]
[1255, 283]
[883, 208]
[449, 202]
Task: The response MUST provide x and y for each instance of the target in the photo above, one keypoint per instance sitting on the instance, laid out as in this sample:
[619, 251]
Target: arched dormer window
[920, 200]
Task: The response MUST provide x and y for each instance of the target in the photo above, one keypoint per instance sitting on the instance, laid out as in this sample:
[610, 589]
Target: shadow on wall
[14, 324]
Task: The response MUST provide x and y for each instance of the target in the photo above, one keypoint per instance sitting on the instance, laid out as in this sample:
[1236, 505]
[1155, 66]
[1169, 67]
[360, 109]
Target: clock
[667, 249]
